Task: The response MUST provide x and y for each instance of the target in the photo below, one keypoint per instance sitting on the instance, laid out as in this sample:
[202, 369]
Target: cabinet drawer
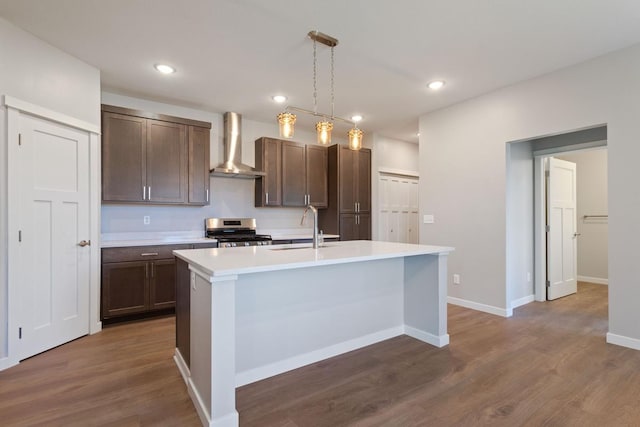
[141, 253]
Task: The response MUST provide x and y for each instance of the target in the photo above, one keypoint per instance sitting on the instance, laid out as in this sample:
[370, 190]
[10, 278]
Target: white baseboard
[480, 307]
[522, 301]
[7, 362]
[266, 371]
[596, 280]
[623, 341]
[435, 340]
[229, 420]
[182, 366]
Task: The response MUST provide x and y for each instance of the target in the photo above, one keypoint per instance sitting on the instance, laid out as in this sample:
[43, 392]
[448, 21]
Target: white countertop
[122, 240]
[256, 259]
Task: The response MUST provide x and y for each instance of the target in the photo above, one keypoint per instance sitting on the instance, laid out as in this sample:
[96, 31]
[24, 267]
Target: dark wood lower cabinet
[162, 286]
[355, 227]
[125, 288]
[140, 280]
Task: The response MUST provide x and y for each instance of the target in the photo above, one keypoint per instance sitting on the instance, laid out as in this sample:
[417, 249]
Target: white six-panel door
[53, 167]
[562, 256]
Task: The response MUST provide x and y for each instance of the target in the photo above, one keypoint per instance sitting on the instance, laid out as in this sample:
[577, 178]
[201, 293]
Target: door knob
[84, 243]
[577, 234]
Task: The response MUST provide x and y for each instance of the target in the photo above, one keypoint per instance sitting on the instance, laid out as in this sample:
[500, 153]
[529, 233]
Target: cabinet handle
[266, 195]
[144, 192]
[149, 192]
[207, 194]
[149, 254]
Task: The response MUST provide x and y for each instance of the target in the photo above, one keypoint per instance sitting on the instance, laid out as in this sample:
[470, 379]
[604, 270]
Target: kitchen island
[259, 311]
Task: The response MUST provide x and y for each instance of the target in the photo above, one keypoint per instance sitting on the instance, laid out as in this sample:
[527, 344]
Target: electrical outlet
[456, 279]
[146, 220]
[428, 219]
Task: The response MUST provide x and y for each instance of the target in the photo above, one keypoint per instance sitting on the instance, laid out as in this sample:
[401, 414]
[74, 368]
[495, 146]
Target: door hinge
[19, 139]
[19, 235]
[547, 228]
[548, 284]
[20, 333]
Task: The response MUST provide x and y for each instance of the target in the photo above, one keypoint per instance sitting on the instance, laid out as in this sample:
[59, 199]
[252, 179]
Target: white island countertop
[256, 259]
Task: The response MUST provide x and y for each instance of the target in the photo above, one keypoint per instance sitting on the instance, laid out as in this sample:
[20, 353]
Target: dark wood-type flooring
[547, 365]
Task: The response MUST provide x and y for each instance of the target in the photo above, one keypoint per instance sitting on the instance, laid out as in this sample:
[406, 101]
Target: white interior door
[53, 268]
[398, 209]
[561, 235]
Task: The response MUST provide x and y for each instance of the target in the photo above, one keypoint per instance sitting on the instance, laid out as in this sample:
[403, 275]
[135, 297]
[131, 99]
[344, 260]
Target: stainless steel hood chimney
[232, 165]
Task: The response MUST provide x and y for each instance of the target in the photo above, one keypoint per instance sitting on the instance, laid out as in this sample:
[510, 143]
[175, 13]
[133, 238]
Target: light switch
[428, 219]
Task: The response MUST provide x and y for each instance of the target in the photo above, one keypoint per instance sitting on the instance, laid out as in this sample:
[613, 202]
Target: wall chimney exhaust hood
[232, 166]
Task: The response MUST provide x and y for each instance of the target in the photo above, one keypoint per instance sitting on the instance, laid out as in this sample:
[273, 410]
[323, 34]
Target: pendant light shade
[324, 129]
[287, 120]
[286, 123]
[355, 139]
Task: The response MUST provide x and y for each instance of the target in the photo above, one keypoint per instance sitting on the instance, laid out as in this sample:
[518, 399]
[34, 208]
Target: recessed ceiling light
[164, 68]
[436, 84]
[356, 118]
[279, 98]
[418, 134]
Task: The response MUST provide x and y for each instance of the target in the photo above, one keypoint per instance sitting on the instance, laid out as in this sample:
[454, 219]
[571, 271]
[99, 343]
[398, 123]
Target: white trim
[266, 371]
[182, 366]
[539, 227]
[392, 171]
[229, 420]
[522, 301]
[480, 307]
[7, 362]
[95, 204]
[54, 116]
[435, 340]
[596, 280]
[13, 220]
[623, 341]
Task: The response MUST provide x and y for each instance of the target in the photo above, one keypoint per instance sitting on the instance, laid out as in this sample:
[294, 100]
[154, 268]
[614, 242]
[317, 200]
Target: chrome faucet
[315, 223]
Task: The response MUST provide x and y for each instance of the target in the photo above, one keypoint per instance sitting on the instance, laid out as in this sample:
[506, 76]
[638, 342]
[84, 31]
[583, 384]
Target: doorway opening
[527, 163]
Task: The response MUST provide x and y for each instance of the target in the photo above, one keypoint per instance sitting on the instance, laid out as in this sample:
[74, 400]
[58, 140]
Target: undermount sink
[288, 248]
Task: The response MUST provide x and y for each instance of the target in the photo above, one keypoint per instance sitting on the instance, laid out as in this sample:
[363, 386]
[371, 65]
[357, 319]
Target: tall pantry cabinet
[349, 211]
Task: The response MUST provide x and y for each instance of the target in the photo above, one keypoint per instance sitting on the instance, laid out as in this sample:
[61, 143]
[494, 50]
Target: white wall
[592, 197]
[464, 177]
[38, 73]
[520, 277]
[230, 197]
[388, 153]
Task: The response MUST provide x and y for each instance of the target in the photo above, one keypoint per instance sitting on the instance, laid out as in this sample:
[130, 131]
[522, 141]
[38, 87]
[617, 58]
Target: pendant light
[287, 120]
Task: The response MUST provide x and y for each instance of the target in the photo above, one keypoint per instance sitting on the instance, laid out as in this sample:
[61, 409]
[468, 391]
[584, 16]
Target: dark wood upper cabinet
[349, 205]
[296, 174]
[198, 165]
[294, 189]
[124, 157]
[268, 159]
[152, 158]
[316, 177]
[166, 162]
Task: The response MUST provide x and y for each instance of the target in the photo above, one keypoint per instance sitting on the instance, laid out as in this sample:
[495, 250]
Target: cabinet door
[294, 189]
[162, 287]
[166, 162]
[348, 227]
[269, 160]
[347, 180]
[364, 180]
[125, 288]
[316, 177]
[198, 165]
[363, 222]
[123, 157]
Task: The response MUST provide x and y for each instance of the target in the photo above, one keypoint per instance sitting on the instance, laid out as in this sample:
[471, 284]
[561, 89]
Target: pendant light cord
[332, 74]
[315, 85]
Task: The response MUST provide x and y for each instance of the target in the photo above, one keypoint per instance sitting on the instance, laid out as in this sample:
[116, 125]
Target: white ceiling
[232, 55]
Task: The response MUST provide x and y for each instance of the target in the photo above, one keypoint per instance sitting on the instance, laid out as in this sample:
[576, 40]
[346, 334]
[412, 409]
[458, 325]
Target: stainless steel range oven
[234, 232]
